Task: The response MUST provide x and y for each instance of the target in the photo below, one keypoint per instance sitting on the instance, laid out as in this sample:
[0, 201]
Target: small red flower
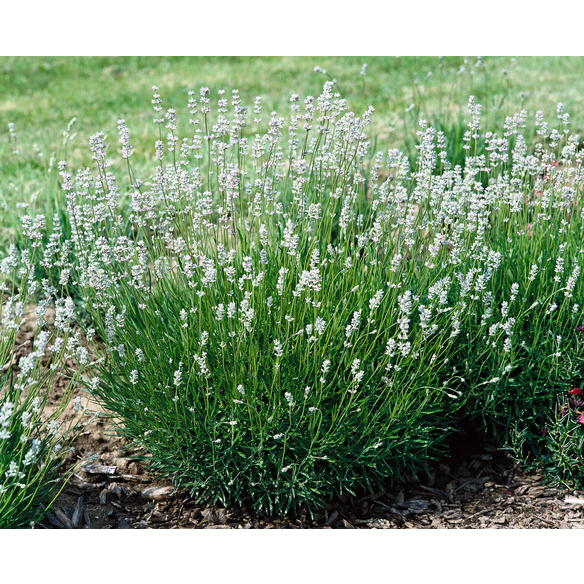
[581, 419]
[575, 391]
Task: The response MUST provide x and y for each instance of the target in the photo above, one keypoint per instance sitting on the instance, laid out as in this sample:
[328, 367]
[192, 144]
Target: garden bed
[480, 488]
[279, 328]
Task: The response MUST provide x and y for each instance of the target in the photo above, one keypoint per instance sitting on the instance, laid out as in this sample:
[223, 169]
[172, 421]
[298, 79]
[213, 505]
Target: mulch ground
[481, 490]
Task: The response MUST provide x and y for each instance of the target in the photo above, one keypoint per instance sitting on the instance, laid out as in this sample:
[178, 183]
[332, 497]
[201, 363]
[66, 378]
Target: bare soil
[485, 490]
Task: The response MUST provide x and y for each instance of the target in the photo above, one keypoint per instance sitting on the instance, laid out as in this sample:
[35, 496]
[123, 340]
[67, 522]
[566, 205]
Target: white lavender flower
[375, 302]
[278, 351]
[32, 455]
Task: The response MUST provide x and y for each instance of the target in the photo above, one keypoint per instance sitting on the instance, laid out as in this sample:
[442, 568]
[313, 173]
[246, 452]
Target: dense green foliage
[290, 309]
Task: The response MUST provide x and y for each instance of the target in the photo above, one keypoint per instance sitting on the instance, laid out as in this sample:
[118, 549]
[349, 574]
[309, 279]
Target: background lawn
[40, 95]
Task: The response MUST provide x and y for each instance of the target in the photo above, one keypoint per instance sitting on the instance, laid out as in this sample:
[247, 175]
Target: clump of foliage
[289, 315]
[32, 444]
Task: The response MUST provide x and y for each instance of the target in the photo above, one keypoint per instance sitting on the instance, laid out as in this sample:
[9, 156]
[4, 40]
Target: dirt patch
[485, 491]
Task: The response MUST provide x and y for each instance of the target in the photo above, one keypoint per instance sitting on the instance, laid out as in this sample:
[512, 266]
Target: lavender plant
[48, 199]
[525, 347]
[558, 448]
[32, 444]
[287, 320]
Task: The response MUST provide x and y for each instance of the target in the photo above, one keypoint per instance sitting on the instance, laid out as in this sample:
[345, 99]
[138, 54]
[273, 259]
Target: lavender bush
[32, 444]
[288, 315]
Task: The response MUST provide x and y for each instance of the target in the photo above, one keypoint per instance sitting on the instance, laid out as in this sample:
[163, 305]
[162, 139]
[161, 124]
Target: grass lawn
[40, 95]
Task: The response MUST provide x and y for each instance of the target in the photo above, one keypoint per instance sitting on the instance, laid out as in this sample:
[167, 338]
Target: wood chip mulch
[486, 490]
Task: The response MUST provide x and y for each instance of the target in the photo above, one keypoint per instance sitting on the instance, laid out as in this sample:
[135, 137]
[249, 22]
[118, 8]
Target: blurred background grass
[40, 95]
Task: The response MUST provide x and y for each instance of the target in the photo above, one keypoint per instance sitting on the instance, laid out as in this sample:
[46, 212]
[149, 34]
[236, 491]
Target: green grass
[40, 95]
